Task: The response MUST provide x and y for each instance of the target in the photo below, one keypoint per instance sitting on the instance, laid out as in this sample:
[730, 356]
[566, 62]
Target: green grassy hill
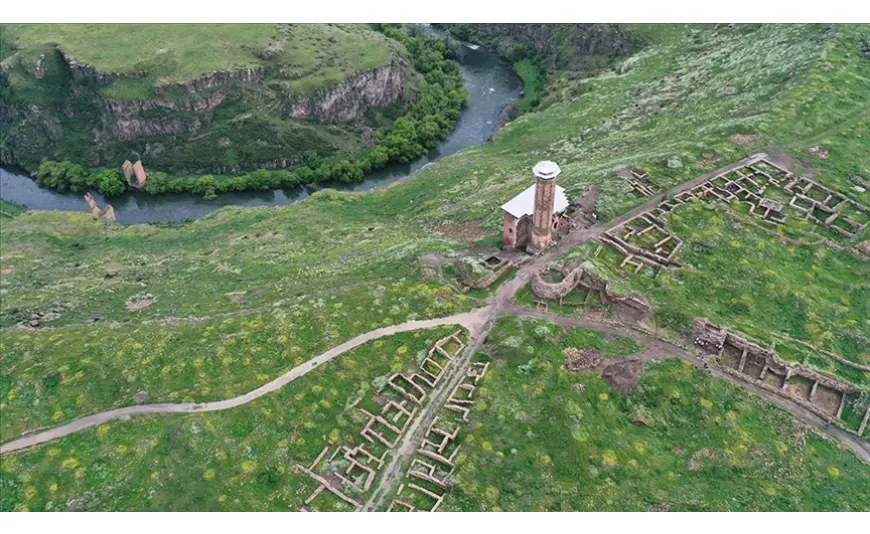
[313, 55]
[158, 308]
[99, 93]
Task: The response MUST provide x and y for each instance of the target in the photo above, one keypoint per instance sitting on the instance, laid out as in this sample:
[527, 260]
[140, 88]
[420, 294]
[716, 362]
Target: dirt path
[471, 320]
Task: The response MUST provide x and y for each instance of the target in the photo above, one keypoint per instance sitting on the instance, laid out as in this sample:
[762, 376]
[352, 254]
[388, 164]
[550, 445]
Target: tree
[62, 176]
[111, 183]
[157, 183]
[206, 186]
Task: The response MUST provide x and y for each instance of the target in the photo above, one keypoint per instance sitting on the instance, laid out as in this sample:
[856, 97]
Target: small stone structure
[141, 175]
[531, 216]
[134, 174]
[127, 169]
[108, 215]
[480, 274]
[632, 307]
[740, 357]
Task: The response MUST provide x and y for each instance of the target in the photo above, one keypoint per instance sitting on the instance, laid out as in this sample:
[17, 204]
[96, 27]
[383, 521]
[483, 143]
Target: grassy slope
[744, 277]
[671, 103]
[308, 278]
[538, 445]
[320, 54]
[8, 211]
[240, 460]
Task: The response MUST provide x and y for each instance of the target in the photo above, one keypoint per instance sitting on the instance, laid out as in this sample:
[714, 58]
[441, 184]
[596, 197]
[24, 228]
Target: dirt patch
[629, 313]
[694, 462]
[138, 304]
[467, 232]
[577, 360]
[237, 298]
[743, 139]
[432, 259]
[827, 399]
[708, 160]
[622, 375]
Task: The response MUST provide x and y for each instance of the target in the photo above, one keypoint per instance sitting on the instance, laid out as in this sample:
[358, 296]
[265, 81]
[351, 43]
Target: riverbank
[491, 87]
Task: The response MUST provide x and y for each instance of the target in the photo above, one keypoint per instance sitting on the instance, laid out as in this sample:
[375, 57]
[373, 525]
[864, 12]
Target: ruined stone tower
[545, 196]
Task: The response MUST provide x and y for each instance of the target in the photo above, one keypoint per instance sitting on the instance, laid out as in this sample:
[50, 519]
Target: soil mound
[622, 375]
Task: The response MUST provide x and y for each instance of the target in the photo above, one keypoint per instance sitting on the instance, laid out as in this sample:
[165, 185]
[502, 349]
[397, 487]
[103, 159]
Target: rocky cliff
[236, 119]
[349, 100]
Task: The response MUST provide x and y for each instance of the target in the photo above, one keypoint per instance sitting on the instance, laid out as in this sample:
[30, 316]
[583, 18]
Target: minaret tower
[545, 195]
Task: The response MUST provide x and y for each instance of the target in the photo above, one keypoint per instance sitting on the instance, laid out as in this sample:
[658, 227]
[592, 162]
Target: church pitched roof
[524, 203]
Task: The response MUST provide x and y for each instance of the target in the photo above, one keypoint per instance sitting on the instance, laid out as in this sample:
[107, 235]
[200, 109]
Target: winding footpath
[478, 322]
[469, 320]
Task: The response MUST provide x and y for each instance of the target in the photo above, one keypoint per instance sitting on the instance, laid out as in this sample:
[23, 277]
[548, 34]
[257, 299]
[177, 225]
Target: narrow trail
[479, 323]
[469, 320]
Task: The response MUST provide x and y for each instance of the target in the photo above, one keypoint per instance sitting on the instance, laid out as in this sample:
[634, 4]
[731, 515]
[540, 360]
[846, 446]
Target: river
[492, 86]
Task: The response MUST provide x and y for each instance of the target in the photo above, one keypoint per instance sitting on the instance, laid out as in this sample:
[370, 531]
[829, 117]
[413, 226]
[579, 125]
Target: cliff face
[349, 100]
[127, 120]
[562, 46]
[217, 121]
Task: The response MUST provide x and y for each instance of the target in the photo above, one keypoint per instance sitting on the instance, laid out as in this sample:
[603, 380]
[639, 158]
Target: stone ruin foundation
[742, 358]
[630, 307]
[645, 241]
[361, 463]
[489, 270]
[428, 477]
[639, 181]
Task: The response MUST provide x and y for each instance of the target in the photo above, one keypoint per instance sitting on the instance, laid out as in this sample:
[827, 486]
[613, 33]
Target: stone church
[531, 217]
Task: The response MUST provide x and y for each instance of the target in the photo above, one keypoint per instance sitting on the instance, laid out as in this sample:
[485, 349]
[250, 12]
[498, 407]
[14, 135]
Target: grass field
[241, 459]
[312, 54]
[535, 444]
[274, 272]
[8, 211]
[195, 311]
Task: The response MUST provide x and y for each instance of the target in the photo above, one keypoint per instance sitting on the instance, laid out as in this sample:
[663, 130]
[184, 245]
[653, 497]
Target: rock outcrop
[349, 100]
[220, 121]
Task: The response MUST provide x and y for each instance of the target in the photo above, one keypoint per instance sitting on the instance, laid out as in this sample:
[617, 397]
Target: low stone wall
[635, 307]
[555, 290]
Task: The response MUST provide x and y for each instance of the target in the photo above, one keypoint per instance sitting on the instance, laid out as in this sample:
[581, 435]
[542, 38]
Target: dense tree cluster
[439, 102]
[63, 176]
[66, 176]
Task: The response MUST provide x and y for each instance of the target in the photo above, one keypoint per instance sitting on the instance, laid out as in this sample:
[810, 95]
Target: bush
[63, 176]
[156, 183]
[111, 183]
